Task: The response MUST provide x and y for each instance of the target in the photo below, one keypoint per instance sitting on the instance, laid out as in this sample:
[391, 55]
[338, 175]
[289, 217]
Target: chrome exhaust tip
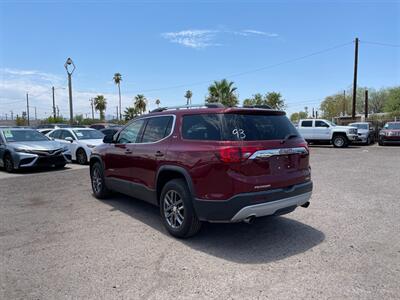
[250, 220]
[305, 205]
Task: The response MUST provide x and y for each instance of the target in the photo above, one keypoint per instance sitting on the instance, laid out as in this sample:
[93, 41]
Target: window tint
[156, 129]
[202, 127]
[320, 124]
[55, 134]
[231, 127]
[130, 133]
[66, 133]
[306, 123]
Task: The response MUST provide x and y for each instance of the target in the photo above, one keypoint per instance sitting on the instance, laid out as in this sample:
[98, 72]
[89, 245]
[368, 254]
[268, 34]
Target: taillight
[236, 154]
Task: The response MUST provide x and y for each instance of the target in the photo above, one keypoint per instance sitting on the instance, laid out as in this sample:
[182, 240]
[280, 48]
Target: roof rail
[207, 105]
[258, 106]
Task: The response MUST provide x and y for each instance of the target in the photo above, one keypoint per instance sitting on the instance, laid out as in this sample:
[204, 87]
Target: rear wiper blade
[289, 136]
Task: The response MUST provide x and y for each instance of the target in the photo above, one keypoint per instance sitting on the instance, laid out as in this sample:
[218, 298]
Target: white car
[320, 130]
[80, 141]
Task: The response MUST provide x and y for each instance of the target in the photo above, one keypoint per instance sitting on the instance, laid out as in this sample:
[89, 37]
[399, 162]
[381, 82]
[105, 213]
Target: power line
[251, 71]
[380, 44]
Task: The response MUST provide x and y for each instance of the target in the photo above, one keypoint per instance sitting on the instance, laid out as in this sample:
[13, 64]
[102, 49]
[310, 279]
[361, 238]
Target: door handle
[159, 154]
[128, 151]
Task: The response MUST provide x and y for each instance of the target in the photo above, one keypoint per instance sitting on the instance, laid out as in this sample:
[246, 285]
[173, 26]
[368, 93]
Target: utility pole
[54, 104]
[27, 107]
[35, 114]
[58, 111]
[91, 104]
[344, 103]
[313, 114]
[6, 116]
[316, 114]
[353, 112]
[117, 112]
[12, 115]
[366, 104]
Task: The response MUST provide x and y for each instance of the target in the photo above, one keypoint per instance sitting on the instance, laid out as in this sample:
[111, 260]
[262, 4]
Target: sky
[302, 49]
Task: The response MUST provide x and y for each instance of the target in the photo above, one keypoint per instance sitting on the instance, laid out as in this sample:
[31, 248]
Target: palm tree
[130, 113]
[140, 103]
[275, 100]
[188, 96]
[100, 104]
[117, 80]
[222, 92]
[158, 102]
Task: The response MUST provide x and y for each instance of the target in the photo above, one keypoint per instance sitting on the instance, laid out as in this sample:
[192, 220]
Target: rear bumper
[257, 204]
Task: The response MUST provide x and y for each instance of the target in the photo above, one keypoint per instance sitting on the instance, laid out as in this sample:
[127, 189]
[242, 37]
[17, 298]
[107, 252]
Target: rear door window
[321, 124]
[232, 127]
[156, 129]
[55, 134]
[306, 123]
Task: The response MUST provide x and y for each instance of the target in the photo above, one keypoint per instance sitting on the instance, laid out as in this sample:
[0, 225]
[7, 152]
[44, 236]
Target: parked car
[26, 148]
[80, 141]
[44, 130]
[100, 126]
[324, 131]
[206, 164]
[390, 134]
[111, 130]
[366, 132]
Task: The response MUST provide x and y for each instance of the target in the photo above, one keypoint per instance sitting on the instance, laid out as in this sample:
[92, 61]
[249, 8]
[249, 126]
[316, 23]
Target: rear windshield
[233, 127]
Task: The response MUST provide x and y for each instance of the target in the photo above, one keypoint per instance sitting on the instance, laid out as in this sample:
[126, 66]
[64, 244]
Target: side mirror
[69, 139]
[108, 139]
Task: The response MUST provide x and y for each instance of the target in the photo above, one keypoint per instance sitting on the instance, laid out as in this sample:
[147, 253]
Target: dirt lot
[57, 241]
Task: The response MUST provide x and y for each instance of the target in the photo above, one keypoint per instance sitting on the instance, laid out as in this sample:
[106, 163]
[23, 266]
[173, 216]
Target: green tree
[257, 99]
[100, 105]
[140, 104]
[79, 119]
[130, 113]
[222, 92]
[275, 100]
[294, 117]
[21, 121]
[117, 80]
[188, 96]
[377, 100]
[393, 100]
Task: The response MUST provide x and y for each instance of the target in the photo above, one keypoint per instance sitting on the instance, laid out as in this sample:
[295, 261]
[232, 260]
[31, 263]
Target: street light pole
[70, 63]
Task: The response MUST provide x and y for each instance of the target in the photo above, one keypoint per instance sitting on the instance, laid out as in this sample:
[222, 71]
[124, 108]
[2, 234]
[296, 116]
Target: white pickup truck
[319, 130]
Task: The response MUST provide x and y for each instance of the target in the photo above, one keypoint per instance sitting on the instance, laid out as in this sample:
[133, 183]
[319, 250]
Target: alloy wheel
[339, 142]
[173, 209]
[97, 180]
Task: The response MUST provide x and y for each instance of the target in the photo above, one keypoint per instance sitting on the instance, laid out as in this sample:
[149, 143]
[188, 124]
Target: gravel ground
[58, 242]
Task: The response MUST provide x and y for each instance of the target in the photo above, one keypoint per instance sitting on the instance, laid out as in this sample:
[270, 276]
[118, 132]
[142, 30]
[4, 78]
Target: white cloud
[192, 38]
[258, 32]
[195, 38]
[15, 83]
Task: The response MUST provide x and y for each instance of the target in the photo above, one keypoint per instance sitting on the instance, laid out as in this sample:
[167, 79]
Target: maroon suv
[390, 134]
[211, 164]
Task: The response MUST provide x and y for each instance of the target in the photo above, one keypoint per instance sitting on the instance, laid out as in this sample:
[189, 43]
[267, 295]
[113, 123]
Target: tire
[381, 143]
[339, 141]
[8, 163]
[81, 156]
[368, 141]
[175, 198]
[99, 188]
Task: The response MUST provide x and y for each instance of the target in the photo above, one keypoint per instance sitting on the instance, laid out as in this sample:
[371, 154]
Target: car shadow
[330, 146]
[266, 240]
[38, 170]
